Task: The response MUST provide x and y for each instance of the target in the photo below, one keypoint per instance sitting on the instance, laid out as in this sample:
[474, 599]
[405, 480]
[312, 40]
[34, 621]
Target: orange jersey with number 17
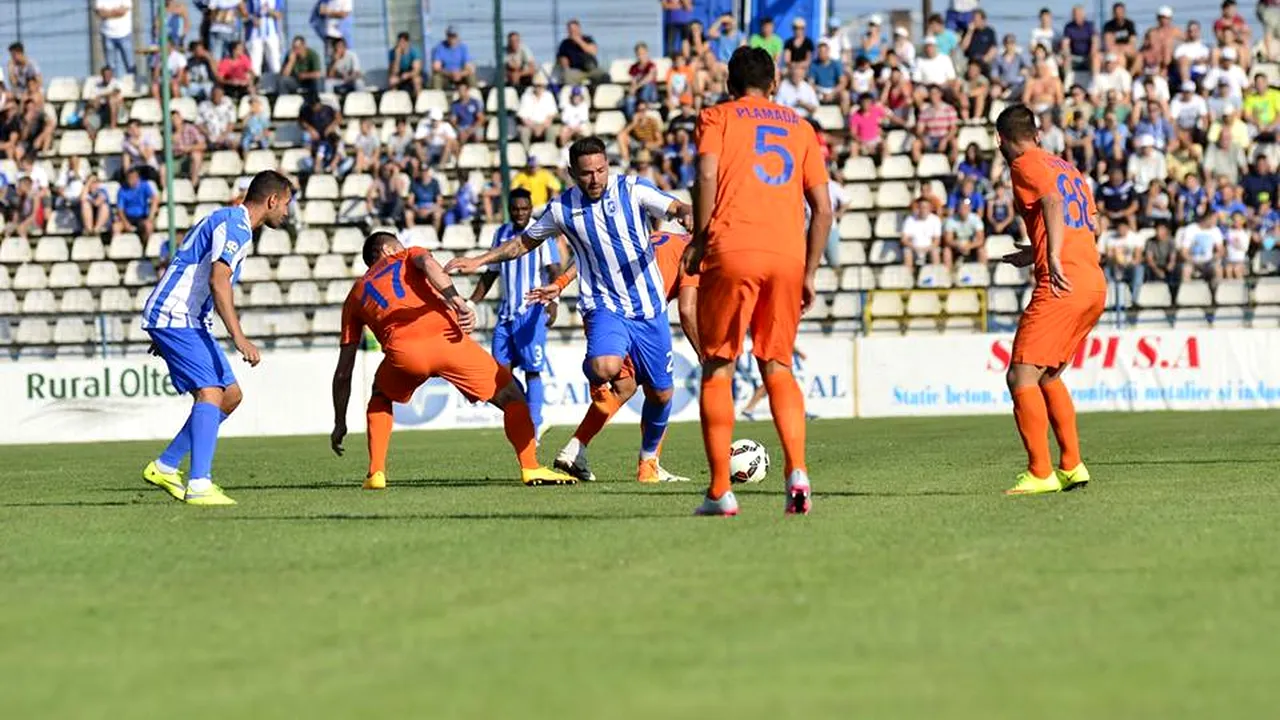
[768, 156]
[1037, 174]
[395, 300]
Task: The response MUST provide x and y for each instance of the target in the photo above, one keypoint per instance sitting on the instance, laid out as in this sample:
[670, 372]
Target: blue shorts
[521, 342]
[194, 358]
[648, 342]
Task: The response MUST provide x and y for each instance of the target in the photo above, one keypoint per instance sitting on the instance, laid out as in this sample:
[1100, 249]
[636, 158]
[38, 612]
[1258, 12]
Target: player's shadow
[1186, 461]
[72, 503]
[382, 517]
[348, 485]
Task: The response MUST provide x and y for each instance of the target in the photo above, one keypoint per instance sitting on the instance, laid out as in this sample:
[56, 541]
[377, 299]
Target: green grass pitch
[915, 590]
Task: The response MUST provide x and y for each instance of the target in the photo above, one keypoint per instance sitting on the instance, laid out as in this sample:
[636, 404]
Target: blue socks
[205, 418]
[172, 456]
[535, 394]
[653, 425]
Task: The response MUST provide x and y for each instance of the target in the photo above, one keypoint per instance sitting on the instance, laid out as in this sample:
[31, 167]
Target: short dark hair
[1016, 123]
[373, 245]
[266, 184]
[750, 68]
[766, 20]
[519, 194]
[17, 47]
[402, 36]
[590, 145]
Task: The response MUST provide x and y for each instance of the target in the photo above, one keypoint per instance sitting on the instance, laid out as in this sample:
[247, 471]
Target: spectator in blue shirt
[425, 194]
[468, 115]
[404, 66]
[451, 62]
[1156, 125]
[466, 204]
[1079, 41]
[1110, 140]
[136, 205]
[828, 78]
[724, 37]
[967, 190]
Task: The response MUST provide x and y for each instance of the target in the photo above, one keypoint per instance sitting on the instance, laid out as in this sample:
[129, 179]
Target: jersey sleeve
[231, 241]
[352, 321]
[710, 132]
[546, 227]
[654, 201]
[1030, 181]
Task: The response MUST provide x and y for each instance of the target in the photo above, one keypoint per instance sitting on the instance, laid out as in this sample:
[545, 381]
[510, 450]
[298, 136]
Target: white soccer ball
[748, 461]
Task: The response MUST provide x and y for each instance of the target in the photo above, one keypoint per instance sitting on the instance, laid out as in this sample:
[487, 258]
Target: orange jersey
[1037, 174]
[668, 250]
[396, 302]
[768, 156]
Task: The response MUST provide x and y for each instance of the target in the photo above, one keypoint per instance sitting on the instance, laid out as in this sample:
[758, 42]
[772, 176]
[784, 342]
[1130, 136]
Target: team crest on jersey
[232, 246]
[610, 206]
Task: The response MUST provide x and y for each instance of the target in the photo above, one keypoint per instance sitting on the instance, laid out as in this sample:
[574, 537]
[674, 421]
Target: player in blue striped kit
[520, 335]
[176, 316]
[605, 218]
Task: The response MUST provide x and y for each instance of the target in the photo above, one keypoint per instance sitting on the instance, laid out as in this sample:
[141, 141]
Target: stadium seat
[852, 253]
[319, 212]
[1006, 274]
[885, 252]
[972, 275]
[225, 163]
[1155, 317]
[15, 250]
[63, 89]
[6, 282]
[512, 100]
[347, 241]
[829, 118]
[287, 107]
[970, 135]
[934, 165]
[140, 272]
[1229, 318]
[516, 156]
[855, 226]
[395, 103]
[288, 324]
[140, 298]
[146, 111]
[896, 167]
[255, 269]
[547, 154]
[956, 325]
[273, 242]
[358, 267]
[458, 237]
[933, 276]
[609, 123]
[77, 301]
[65, 275]
[846, 305]
[420, 236]
[30, 277]
[895, 277]
[265, 294]
[356, 185]
[859, 168]
[429, 100]
[963, 302]
[887, 227]
[327, 321]
[181, 219]
[293, 267]
[213, 190]
[186, 107]
[474, 156]
[359, 104]
[62, 222]
[1191, 318]
[8, 303]
[75, 142]
[1000, 245]
[1266, 292]
[826, 280]
[322, 187]
[257, 161]
[184, 193]
[1156, 295]
[924, 304]
[893, 194]
[858, 197]
[103, 274]
[311, 243]
[885, 304]
[51, 249]
[305, 292]
[291, 160]
[620, 71]
[896, 141]
[109, 141]
[33, 331]
[857, 278]
[1193, 293]
[38, 302]
[330, 267]
[115, 300]
[127, 246]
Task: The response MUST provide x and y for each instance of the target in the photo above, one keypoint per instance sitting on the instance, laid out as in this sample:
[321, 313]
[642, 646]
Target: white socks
[198, 485]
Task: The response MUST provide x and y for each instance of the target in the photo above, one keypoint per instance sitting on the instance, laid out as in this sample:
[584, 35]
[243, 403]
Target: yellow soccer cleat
[1028, 484]
[545, 476]
[169, 482]
[648, 471]
[211, 496]
[376, 481]
[1073, 479]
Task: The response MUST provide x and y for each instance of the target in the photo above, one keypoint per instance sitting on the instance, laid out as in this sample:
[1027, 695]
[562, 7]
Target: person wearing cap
[1192, 54]
[537, 112]
[436, 138]
[964, 237]
[1113, 76]
[575, 117]
[1154, 123]
[1120, 34]
[835, 37]
[1163, 39]
[1147, 165]
[541, 182]
[451, 61]
[902, 46]
[1262, 105]
[578, 56]
[933, 68]
[872, 42]
[767, 39]
[1079, 40]
[467, 113]
[1190, 111]
[519, 62]
[404, 66]
[799, 47]
[1229, 73]
[829, 79]
[979, 41]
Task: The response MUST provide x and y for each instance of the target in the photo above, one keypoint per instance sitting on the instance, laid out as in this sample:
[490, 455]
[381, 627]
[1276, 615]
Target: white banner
[1117, 370]
[64, 400]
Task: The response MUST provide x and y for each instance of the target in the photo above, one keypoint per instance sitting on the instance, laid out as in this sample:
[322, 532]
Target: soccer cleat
[1074, 478]
[647, 471]
[376, 481]
[667, 476]
[1028, 484]
[725, 506]
[575, 463]
[169, 482]
[799, 496]
[545, 476]
[211, 496]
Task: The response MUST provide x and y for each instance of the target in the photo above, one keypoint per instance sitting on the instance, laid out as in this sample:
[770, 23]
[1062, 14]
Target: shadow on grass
[73, 503]
[1186, 461]
[375, 517]
[355, 484]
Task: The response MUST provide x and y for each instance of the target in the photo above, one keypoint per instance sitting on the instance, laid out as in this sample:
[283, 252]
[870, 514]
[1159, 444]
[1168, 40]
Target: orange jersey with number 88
[1037, 174]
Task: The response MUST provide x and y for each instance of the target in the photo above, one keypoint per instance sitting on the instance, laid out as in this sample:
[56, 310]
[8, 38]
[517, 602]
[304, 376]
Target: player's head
[379, 244]
[520, 206]
[752, 71]
[270, 194]
[1017, 131]
[589, 165]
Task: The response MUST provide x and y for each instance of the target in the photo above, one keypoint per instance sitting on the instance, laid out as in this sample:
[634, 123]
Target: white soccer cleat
[573, 461]
[799, 497]
[666, 476]
[726, 506]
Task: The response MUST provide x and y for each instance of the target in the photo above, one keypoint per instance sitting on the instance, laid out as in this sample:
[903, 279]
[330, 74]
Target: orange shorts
[741, 291]
[1051, 328]
[460, 360]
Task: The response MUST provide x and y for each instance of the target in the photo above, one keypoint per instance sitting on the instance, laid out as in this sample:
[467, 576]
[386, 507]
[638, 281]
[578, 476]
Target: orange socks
[1032, 418]
[716, 404]
[379, 419]
[1062, 416]
[520, 433]
[604, 405]
[786, 402]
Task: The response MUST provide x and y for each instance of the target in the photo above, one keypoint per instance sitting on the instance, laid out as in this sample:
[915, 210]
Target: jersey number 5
[371, 292]
[1075, 203]
[765, 148]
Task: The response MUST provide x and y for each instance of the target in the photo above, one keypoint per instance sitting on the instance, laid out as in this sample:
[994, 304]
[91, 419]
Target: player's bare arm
[440, 280]
[704, 204]
[509, 250]
[1055, 230]
[550, 292]
[342, 394]
[224, 304]
[687, 304]
[819, 227]
[550, 274]
[481, 289]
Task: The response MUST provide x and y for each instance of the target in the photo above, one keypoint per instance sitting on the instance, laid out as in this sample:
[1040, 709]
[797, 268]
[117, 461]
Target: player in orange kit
[412, 307]
[1070, 293]
[758, 164]
[606, 400]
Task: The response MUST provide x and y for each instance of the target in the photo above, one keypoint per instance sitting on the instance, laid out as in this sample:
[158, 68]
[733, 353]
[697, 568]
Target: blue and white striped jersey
[182, 298]
[521, 275]
[610, 241]
[264, 24]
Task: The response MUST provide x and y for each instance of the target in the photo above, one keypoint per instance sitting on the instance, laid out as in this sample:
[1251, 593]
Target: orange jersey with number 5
[1037, 174]
[396, 302]
[768, 156]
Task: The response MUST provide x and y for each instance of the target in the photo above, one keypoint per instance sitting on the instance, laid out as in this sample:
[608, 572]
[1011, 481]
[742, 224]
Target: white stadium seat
[69, 331]
[933, 165]
[146, 111]
[102, 273]
[303, 293]
[77, 301]
[1266, 292]
[395, 102]
[886, 304]
[225, 163]
[512, 100]
[1155, 295]
[63, 89]
[87, 249]
[1006, 274]
[609, 123]
[287, 107]
[895, 277]
[1231, 292]
[857, 278]
[265, 294]
[1193, 293]
[852, 253]
[347, 241]
[963, 302]
[359, 104]
[213, 190]
[8, 303]
[330, 267]
[897, 167]
[30, 277]
[1000, 245]
[356, 185]
[859, 168]
[15, 250]
[327, 321]
[972, 275]
[51, 249]
[293, 267]
[65, 275]
[115, 300]
[431, 100]
[893, 195]
[258, 160]
[474, 155]
[322, 187]
[311, 243]
[924, 304]
[885, 252]
[38, 302]
[319, 212]
[110, 141]
[620, 71]
[855, 226]
[255, 269]
[75, 142]
[273, 242]
[32, 331]
[933, 276]
[887, 227]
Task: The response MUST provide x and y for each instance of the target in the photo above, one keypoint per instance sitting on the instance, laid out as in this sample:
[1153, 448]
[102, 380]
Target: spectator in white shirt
[1126, 258]
[438, 137]
[1151, 83]
[933, 68]
[537, 111]
[796, 92]
[1201, 247]
[1229, 71]
[1192, 55]
[903, 47]
[115, 26]
[1112, 77]
[921, 236]
[1147, 165]
[1189, 111]
[575, 117]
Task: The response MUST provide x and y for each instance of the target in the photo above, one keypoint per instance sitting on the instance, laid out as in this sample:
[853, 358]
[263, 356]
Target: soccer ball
[748, 462]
